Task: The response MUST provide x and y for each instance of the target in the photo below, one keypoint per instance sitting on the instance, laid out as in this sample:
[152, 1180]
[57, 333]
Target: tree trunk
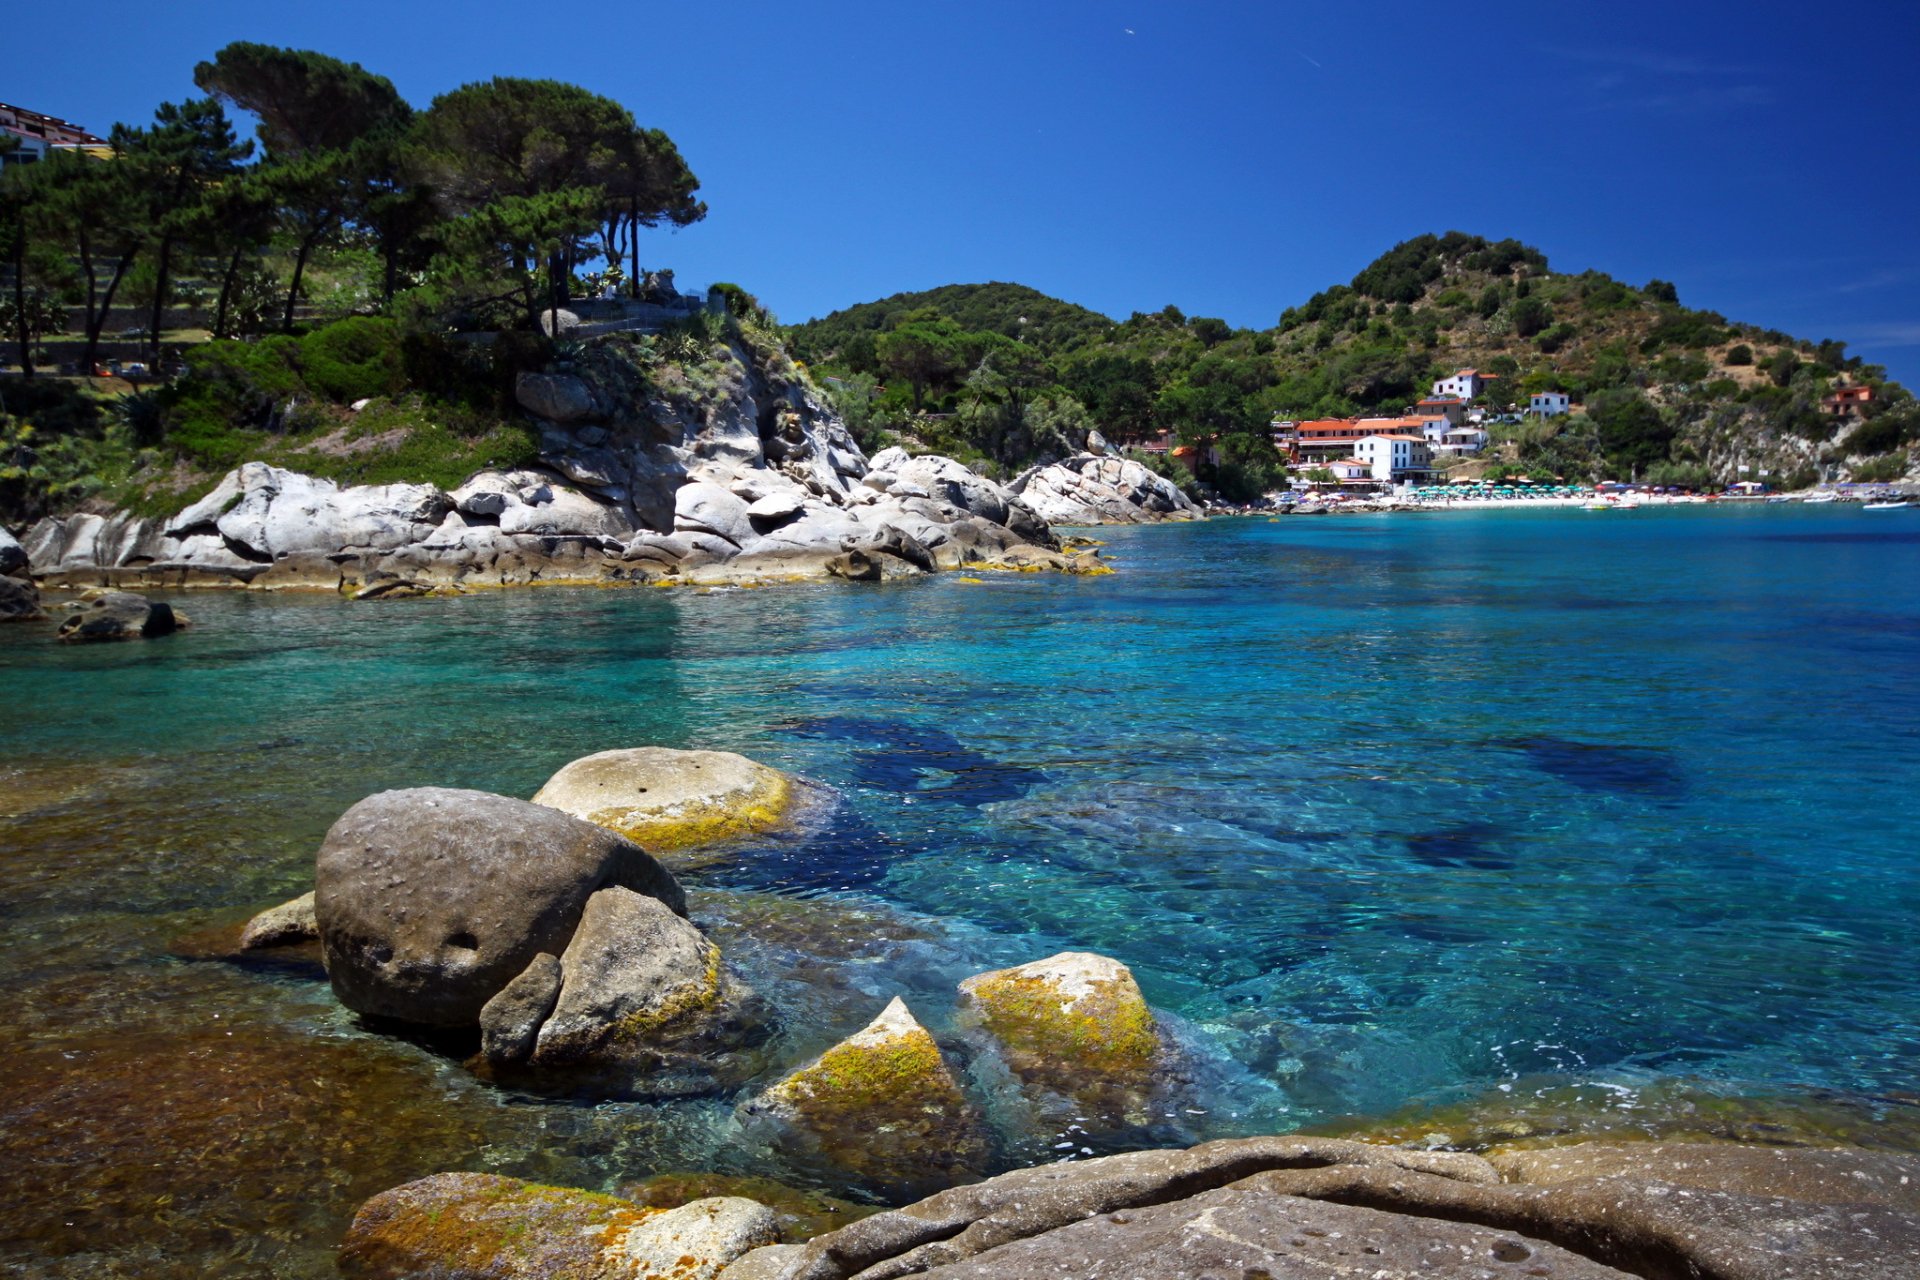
[226, 293]
[299, 269]
[98, 322]
[161, 280]
[20, 297]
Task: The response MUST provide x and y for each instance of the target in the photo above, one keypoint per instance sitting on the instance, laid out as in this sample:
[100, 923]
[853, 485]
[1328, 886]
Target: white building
[1464, 385]
[1395, 458]
[1459, 441]
[1549, 404]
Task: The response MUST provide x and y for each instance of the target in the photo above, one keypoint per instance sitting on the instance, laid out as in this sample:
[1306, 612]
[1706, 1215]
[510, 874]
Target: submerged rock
[881, 1107]
[1074, 1024]
[116, 615]
[284, 925]
[667, 800]
[431, 900]
[479, 1226]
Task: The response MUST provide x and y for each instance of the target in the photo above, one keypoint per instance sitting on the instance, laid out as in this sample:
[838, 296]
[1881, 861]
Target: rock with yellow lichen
[882, 1108]
[479, 1226]
[641, 1003]
[1073, 1025]
[670, 801]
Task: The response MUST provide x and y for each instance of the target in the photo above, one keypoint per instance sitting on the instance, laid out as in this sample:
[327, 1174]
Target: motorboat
[1895, 505]
[1828, 496]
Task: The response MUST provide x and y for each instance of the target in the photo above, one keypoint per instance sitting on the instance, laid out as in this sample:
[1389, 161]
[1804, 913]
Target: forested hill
[1661, 390]
[1011, 310]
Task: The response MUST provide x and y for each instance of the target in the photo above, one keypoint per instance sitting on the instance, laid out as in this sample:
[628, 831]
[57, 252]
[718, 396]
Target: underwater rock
[431, 900]
[281, 926]
[20, 601]
[665, 799]
[643, 992]
[115, 615]
[480, 1226]
[882, 1107]
[1075, 1025]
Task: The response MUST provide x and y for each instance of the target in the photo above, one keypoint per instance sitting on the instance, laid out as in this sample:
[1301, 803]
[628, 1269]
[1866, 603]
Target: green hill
[1662, 391]
[1010, 310]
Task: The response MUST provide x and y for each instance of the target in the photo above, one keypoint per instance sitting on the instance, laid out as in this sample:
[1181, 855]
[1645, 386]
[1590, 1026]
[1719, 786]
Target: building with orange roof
[1395, 456]
[1845, 400]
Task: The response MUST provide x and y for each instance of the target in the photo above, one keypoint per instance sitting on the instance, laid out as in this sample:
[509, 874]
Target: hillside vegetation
[1666, 393]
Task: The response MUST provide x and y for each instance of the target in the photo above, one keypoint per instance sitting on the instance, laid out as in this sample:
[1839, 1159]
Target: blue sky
[1228, 158]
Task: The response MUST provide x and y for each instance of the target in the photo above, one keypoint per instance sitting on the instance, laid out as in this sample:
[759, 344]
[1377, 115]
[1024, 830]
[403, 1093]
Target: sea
[1449, 829]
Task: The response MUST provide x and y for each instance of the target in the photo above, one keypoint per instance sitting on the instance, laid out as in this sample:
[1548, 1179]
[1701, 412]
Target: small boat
[1885, 506]
[1821, 497]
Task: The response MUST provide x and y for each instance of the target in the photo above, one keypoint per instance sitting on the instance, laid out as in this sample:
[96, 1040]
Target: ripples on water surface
[1471, 824]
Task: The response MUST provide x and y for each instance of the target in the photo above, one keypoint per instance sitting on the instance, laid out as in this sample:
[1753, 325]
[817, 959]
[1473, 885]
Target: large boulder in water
[431, 900]
[116, 615]
[19, 601]
[667, 799]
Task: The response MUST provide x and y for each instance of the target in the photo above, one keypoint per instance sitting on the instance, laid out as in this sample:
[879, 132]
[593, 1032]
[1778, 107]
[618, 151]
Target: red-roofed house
[1846, 400]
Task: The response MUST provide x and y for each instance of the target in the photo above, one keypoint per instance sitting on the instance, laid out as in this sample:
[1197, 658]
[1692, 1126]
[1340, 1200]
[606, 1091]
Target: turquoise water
[1385, 812]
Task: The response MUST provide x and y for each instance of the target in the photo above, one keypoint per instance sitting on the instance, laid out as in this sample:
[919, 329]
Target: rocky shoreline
[752, 479]
[565, 950]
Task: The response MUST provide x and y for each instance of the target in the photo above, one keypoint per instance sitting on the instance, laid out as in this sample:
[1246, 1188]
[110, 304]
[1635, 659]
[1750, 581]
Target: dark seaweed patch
[1595, 766]
[905, 757]
[1465, 845]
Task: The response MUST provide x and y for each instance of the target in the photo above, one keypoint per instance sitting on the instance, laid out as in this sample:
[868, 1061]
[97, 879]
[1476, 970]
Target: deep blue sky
[1229, 158]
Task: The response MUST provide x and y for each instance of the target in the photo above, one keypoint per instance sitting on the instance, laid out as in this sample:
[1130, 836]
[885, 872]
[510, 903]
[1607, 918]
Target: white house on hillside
[1396, 457]
[1465, 385]
[1549, 404]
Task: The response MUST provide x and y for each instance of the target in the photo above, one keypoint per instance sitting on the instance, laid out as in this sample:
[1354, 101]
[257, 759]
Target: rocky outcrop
[282, 926]
[429, 901]
[1091, 488]
[1283, 1207]
[479, 1226]
[116, 615]
[881, 1107]
[722, 470]
[672, 800]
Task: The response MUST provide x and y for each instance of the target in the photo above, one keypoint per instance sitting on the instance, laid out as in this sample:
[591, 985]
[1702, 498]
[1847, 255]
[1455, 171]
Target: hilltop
[1660, 390]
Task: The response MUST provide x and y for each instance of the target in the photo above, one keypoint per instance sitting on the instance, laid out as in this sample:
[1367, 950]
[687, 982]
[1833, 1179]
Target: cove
[1413, 825]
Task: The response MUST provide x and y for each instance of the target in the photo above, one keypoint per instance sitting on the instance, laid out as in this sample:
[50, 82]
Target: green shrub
[354, 359]
[1740, 355]
[1881, 470]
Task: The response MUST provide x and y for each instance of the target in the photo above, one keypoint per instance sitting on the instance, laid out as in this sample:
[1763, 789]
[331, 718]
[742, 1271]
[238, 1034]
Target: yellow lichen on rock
[1069, 1014]
[667, 800]
[883, 1106]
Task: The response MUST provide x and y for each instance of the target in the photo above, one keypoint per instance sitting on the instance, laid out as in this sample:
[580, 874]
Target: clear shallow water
[1389, 813]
